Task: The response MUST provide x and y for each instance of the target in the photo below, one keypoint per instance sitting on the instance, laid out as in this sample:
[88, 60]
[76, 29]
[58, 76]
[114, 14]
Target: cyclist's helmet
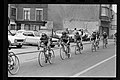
[43, 34]
[104, 33]
[64, 33]
[77, 33]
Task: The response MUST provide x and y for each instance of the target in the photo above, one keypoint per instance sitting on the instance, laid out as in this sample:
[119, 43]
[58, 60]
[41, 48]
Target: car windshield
[9, 33]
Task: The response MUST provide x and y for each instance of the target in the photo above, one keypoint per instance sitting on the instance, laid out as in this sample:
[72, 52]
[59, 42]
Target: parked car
[15, 41]
[33, 37]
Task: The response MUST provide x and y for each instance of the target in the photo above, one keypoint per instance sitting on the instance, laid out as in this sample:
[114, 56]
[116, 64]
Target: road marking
[93, 66]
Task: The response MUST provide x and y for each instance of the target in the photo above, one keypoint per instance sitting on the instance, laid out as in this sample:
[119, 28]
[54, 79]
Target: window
[104, 11]
[26, 13]
[39, 14]
[13, 11]
[28, 34]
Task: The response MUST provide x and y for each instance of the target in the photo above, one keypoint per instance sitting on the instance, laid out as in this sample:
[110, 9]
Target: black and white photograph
[62, 40]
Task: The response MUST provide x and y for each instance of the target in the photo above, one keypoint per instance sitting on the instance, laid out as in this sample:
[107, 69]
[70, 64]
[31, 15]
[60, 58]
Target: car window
[28, 34]
[37, 34]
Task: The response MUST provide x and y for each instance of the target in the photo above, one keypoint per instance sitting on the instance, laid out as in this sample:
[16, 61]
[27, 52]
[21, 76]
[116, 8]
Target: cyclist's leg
[62, 44]
[81, 45]
[68, 47]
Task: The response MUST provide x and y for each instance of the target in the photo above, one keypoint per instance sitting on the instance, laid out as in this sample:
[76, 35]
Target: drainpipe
[100, 19]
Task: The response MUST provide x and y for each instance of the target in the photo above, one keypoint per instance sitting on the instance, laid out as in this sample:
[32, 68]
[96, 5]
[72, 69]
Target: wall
[59, 13]
[89, 25]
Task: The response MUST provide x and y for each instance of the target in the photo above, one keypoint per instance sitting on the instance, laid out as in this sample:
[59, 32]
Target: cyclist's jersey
[98, 35]
[65, 38]
[94, 36]
[44, 39]
[104, 35]
[77, 37]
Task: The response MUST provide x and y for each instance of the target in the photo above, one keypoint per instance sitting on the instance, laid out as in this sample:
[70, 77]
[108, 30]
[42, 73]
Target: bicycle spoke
[14, 65]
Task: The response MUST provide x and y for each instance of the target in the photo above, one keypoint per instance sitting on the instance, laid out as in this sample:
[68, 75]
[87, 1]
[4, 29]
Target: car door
[32, 38]
[28, 37]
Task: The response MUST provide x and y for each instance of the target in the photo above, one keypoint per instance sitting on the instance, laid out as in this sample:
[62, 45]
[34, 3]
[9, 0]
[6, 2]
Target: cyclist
[105, 36]
[78, 37]
[65, 40]
[45, 40]
[94, 36]
[98, 37]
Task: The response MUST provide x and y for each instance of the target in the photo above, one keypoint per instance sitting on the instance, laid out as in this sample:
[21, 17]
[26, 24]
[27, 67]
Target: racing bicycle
[78, 47]
[104, 43]
[64, 51]
[45, 55]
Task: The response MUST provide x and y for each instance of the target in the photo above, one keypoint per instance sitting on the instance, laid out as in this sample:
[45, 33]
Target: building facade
[105, 18]
[113, 28]
[29, 17]
[12, 16]
[65, 14]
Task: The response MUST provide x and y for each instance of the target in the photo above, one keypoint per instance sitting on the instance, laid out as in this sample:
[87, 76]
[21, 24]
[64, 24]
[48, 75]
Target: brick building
[30, 16]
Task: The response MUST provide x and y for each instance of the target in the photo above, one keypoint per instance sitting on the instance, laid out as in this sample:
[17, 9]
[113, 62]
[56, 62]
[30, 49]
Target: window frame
[24, 13]
[36, 11]
[12, 7]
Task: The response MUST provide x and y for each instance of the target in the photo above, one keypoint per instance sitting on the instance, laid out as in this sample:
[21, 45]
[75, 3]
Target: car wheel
[19, 46]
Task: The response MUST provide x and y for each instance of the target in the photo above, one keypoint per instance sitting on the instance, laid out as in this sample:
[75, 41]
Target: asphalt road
[100, 63]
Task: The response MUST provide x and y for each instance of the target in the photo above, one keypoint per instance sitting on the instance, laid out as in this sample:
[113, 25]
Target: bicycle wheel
[51, 56]
[41, 58]
[15, 66]
[62, 54]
